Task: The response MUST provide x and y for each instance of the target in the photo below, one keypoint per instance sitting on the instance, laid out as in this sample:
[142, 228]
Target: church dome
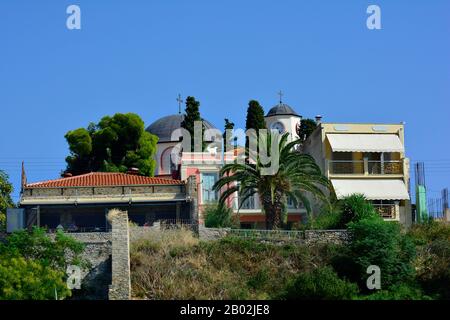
[282, 109]
[164, 126]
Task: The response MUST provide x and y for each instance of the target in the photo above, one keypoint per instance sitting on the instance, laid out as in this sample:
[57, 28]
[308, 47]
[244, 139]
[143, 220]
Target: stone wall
[103, 191]
[97, 276]
[192, 196]
[121, 280]
[212, 233]
[301, 237]
[326, 236]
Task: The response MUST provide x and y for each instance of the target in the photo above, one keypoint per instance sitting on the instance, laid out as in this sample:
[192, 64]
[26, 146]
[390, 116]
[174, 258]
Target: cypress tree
[255, 120]
[227, 143]
[192, 114]
[255, 116]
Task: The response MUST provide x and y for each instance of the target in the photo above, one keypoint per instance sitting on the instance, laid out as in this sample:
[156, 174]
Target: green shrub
[33, 266]
[259, 279]
[429, 231]
[400, 292]
[355, 208]
[320, 284]
[25, 279]
[38, 246]
[328, 218]
[433, 261]
[218, 216]
[380, 243]
[341, 212]
[2, 222]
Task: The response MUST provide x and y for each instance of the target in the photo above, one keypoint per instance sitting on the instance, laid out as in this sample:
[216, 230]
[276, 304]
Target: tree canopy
[255, 116]
[33, 266]
[297, 175]
[192, 114]
[115, 144]
[307, 126]
[6, 189]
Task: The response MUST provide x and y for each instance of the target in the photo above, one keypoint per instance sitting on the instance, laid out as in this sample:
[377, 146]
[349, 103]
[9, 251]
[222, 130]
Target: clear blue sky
[136, 56]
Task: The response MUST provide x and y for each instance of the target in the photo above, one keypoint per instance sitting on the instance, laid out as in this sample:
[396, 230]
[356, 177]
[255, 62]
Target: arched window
[166, 162]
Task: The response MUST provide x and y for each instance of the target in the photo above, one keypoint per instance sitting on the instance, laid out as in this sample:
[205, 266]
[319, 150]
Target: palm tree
[297, 175]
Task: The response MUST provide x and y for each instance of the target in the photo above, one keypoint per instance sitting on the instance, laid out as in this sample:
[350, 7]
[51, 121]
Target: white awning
[365, 142]
[373, 189]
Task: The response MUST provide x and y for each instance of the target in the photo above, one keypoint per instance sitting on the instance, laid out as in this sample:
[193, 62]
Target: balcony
[385, 167]
[346, 167]
[365, 167]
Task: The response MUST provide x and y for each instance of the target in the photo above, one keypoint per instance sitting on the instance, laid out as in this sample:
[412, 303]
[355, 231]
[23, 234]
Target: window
[208, 194]
[166, 161]
[250, 203]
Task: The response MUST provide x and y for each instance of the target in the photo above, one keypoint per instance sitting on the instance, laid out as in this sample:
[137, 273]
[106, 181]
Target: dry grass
[176, 265]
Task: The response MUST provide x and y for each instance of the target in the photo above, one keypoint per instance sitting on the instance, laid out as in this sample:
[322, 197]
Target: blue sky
[136, 56]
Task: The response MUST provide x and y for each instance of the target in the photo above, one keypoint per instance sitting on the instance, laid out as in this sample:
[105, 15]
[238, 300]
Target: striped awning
[365, 142]
[372, 189]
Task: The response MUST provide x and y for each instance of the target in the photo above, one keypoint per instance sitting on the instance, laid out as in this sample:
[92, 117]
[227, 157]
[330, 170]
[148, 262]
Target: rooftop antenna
[281, 94]
[180, 101]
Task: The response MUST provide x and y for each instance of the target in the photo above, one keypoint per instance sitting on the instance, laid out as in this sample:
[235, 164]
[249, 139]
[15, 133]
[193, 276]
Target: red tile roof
[103, 179]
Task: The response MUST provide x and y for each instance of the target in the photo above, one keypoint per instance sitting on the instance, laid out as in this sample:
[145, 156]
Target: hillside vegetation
[175, 265]
[414, 265]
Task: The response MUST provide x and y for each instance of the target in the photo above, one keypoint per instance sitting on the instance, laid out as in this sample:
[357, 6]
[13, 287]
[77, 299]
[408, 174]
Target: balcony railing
[249, 203]
[386, 211]
[346, 167]
[365, 167]
[385, 167]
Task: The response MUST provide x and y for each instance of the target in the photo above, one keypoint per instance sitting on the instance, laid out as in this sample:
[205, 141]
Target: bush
[429, 231]
[337, 216]
[33, 266]
[2, 222]
[320, 284]
[355, 208]
[328, 218]
[37, 245]
[400, 292]
[380, 243]
[25, 279]
[218, 216]
[433, 258]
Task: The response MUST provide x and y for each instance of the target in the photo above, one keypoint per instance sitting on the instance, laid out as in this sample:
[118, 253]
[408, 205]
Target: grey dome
[164, 126]
[282, 109]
